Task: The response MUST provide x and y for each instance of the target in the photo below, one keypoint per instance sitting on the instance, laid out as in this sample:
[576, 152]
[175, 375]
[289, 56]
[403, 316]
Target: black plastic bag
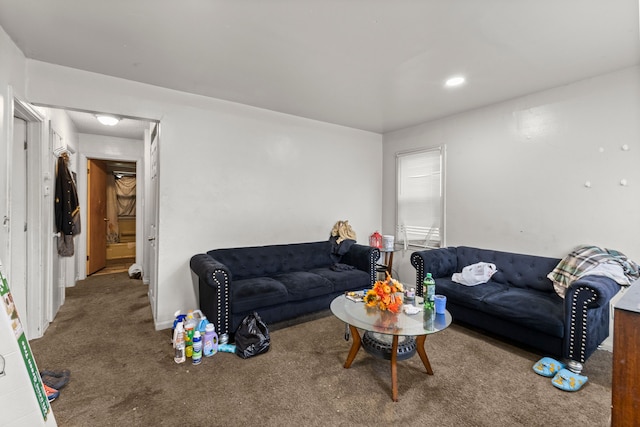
[252, 337]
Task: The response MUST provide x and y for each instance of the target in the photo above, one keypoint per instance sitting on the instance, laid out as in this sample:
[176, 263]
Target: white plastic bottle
[196, 358]
[178, 343]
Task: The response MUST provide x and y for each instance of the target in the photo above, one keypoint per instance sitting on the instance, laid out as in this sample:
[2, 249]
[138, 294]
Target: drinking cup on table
[441, 303]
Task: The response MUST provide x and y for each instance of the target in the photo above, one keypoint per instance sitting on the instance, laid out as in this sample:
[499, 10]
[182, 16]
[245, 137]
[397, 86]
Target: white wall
[64, 269]
[12, 84]
[231, 175]
[18, 404]
[516, 171]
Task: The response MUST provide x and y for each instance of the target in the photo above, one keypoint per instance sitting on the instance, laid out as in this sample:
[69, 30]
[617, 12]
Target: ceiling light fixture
[107, 119]
[454, 81]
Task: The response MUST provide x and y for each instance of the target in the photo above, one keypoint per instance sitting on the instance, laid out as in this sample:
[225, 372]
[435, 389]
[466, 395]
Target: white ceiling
[376, 65]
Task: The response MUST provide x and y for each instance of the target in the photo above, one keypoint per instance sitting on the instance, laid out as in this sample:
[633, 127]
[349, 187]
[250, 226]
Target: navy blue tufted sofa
[520, 303]
[280, 282]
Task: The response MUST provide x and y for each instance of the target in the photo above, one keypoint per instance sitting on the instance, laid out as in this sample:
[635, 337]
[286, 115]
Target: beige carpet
[123, 374]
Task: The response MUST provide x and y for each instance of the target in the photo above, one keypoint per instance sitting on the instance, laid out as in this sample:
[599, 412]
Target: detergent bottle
[210, 346]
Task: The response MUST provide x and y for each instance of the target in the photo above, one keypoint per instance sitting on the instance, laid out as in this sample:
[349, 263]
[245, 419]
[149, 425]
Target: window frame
[400, 229]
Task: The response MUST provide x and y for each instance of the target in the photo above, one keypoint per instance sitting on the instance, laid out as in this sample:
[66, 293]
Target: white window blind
[420, 198]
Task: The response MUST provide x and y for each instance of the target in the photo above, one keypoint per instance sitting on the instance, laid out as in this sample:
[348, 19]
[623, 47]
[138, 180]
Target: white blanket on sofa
[475, 274]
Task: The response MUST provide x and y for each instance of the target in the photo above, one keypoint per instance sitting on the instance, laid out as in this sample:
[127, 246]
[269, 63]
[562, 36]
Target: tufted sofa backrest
[260, 261]
[519, 270]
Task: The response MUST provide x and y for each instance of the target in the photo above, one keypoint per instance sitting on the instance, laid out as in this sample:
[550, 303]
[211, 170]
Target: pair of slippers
[53, 381]
[563, 378]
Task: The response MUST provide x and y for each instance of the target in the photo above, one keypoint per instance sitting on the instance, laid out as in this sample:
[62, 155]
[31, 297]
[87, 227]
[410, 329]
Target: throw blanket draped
[585, 260]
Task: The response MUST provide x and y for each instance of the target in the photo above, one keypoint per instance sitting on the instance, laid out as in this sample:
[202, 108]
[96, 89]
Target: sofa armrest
[214, 280]
[363, 258]
[441, 262]
[586, 308]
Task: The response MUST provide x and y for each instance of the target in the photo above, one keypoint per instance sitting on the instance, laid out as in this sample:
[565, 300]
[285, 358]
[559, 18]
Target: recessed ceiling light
[107, 120]
[454, 81]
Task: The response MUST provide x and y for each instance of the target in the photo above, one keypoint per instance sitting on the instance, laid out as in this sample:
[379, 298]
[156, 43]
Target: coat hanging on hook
[67, 207]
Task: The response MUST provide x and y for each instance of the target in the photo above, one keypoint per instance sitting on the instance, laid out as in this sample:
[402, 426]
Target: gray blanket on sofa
[583, 259]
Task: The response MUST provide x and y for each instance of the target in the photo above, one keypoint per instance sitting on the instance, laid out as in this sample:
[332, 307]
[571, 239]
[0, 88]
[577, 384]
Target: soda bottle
[428, 292]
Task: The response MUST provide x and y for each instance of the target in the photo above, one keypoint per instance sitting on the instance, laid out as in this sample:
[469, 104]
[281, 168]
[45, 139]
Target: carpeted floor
[116, 266]
[123, 374]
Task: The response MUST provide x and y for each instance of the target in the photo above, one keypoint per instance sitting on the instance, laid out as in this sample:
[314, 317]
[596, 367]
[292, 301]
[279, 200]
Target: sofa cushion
[345, 280]
[259, 261]
[250, 294]
[540, 311]
[516, 270]
[303, 285]
[468, 296]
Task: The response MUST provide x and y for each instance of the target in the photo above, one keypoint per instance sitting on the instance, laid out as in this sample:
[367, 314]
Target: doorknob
[106, 219]
[151, 239]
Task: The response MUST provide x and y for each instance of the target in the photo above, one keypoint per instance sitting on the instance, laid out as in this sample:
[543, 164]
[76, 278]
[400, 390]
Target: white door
[18, 218]
[152, 231]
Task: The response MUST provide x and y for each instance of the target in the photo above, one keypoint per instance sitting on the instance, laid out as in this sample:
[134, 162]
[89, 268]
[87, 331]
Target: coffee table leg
[357, 342]
[394, 369]
[420, 339]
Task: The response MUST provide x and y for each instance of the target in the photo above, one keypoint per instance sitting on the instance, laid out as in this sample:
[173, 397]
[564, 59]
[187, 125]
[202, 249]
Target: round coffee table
[379, 326]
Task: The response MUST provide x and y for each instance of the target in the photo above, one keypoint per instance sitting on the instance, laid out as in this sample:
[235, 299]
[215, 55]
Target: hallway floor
[116, 266]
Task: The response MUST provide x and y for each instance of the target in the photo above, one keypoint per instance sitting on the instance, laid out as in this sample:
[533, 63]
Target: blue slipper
[568, 381]
[548, 367]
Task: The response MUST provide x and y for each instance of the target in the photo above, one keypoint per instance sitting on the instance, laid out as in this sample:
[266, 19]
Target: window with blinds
[420, 199]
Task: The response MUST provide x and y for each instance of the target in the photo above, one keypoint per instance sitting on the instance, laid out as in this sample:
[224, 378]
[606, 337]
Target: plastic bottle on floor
[196, 358]
[178, 343]
[210, 346]
[189, 331]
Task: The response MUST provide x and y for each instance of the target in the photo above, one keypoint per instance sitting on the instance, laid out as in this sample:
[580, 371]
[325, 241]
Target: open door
[151, 247]
[96, 215]
[18, 218]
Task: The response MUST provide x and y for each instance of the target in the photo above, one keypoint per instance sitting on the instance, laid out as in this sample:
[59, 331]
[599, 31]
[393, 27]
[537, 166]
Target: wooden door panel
[96, 215]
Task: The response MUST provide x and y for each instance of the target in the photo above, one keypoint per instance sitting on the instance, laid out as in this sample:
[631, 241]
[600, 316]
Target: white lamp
[107, 119]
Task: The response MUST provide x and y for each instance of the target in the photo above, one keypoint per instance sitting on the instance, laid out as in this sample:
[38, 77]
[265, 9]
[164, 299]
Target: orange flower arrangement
[383, 295]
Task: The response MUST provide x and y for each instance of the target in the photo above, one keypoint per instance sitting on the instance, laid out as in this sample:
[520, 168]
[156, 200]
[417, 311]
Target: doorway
[130, 146]
[27, 230]
[112, 201]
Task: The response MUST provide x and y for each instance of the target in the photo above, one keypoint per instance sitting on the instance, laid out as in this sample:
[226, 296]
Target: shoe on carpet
[55, 379]
[52, 393]
[548, 367]
[568, 381]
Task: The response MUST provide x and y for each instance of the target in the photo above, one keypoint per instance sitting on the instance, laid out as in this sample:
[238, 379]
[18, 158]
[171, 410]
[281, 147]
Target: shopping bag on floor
[252, 337]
